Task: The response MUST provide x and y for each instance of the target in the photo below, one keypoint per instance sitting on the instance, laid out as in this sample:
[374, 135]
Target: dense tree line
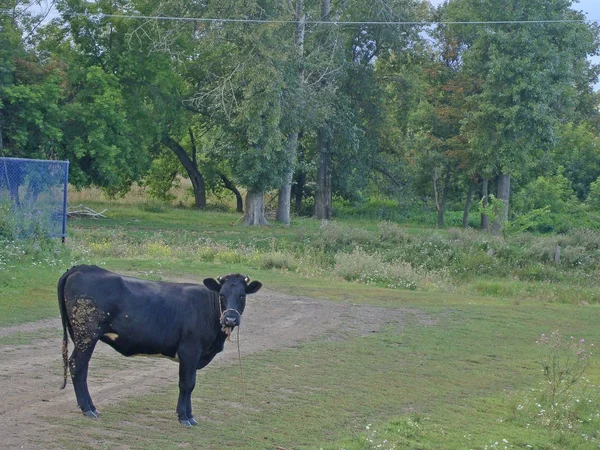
[311, 99]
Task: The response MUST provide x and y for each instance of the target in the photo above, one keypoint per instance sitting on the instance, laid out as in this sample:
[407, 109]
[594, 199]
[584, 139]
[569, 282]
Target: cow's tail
[63, 314]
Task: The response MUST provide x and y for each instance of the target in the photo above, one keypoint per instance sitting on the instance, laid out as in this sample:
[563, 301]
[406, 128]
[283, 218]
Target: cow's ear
[253, 287]
[212, 284]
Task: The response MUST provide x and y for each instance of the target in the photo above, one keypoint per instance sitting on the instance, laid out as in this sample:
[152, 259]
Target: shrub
[153, 206]
[577, 256]
[392, 233]
[589, 239]
[553, 192]
[593, 198]
[8, 226]
[369, 268]
[338, 237]
[276, 260]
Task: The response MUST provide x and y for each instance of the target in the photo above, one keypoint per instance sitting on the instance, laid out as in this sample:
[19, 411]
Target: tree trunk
[325, 11]
[468, 205]
[485, 198]
[191, 168]
[298, 191]
[285, 192]
[323, 196]
[255, 209]
[504, 195]
[441, 200]
[229, 185]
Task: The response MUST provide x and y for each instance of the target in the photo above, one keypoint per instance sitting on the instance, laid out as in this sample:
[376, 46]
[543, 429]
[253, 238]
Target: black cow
[185, 322]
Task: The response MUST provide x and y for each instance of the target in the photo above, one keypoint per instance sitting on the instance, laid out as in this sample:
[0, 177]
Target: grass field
[470, 377]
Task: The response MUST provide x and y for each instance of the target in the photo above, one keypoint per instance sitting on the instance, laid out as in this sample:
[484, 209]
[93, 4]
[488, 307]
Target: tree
[291, 146]
[527, 80]
[349, 141]
[578, 151]
[30, 120]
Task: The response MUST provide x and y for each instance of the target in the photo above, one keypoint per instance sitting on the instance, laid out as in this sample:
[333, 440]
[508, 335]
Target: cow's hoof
[92, 414]
[185, 422]
[192, 421]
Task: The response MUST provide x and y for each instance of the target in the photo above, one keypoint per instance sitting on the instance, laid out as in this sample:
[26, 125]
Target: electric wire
[323, 22]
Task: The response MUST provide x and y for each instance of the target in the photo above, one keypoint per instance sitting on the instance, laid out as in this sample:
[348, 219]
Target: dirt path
[30, 375]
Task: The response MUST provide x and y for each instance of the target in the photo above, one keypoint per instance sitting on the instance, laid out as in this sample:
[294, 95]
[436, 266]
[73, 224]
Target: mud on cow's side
[185, 322]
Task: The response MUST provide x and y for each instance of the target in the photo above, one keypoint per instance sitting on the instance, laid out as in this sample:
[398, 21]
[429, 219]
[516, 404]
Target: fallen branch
[80, 211]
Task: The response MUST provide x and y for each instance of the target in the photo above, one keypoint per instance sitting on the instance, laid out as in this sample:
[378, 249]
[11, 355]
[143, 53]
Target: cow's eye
[242, 296]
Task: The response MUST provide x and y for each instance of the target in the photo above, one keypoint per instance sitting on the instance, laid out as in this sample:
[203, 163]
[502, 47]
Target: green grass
[26, 338]
[455, 381]
[28, 294]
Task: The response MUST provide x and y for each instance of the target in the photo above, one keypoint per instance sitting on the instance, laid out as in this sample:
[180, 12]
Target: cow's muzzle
[230, 318]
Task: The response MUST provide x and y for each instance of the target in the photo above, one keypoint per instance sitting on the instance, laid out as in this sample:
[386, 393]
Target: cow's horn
[247, 279]
[220, 280]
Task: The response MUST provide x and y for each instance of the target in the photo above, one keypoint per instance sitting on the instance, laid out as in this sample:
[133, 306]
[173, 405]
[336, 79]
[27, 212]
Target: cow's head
[232, 290]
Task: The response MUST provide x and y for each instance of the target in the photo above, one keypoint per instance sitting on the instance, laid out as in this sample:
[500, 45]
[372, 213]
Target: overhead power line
[332, 22]
[322, 22]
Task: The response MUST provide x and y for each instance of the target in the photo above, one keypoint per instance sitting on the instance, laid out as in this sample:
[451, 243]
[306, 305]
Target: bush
[593, 198]
[370, 268]
[336, 237]
[391, 233]
[553, 192]
[276, 260]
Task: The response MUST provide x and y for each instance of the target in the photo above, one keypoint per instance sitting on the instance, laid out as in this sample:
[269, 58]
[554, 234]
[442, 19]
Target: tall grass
[383, 253]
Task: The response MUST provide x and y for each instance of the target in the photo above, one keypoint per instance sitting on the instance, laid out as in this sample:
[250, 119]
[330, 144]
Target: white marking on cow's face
[158, 355]
[112, 336]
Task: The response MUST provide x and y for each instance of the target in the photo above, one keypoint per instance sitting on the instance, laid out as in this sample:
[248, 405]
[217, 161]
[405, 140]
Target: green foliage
[98, 135]
[534, 220]
[8, 224]
[493, 208]
[553, 192]
[593, 198]
[578, 152]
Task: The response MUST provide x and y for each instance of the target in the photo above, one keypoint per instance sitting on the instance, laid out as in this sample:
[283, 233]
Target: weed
[564, 362]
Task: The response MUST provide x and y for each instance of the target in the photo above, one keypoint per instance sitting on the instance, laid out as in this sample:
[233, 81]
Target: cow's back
[133, 315]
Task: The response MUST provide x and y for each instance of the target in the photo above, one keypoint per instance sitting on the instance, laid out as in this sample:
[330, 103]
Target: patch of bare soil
[30, 375]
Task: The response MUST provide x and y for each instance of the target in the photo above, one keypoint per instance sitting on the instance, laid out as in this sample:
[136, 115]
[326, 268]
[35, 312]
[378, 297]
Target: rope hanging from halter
[227, 331]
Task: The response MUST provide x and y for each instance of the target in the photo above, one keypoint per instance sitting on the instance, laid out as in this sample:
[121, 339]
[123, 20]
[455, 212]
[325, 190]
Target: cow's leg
[78, 364]
[187, 382]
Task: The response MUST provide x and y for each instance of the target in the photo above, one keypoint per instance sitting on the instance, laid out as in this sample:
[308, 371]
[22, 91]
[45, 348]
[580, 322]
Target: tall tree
[291, 146]
[528, 71]
[323, 194]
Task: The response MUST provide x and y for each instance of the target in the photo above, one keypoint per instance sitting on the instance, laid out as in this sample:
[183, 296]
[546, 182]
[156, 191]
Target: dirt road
[30, 375]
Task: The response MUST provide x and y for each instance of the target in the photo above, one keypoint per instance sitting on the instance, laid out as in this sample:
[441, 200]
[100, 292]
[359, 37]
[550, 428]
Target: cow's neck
[215, 318]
